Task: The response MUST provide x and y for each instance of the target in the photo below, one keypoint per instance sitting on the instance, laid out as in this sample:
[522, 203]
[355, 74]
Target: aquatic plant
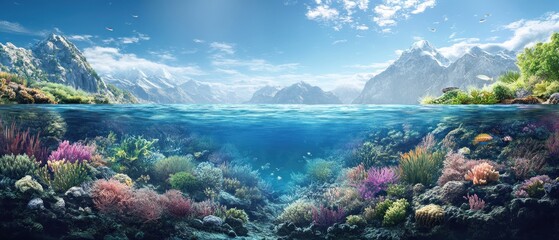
[62, 175]
[299, 213]
[72, 152]
[111, 196]
[173, 164]
[132, 156]
[396, 213]
[123, 178]
[552, 144]
[377, 180]
[368, 154]
[185, 181]
[355, 175]
[528, 157]
[176, 204]
[320, 170]
[428, 142]
[355, 220]
[28, 183]
[475, 202]
[482, 174]
[346, 197]
[429, 216]
[325, 217]
[420, 166]
[211, 176]
[243, 173]
[17, 166]
[146, 205]
[237, 213]
[533, 187]
[17, 142]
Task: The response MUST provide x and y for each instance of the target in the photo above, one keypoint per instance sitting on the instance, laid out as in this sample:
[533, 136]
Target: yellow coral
[123, 178]
[429, 216]
[482, 174]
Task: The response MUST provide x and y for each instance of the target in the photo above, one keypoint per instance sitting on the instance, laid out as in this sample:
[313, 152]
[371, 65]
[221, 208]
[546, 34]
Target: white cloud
[83, 38]
[322, 12]
[163, 55]
[222, 47]
[362, 27]
[106, 60]
[255, 65]
[196, 40]
[339, 41]
[452, 35]
[421, 7]
[374, 68]
[134, 39]
[14, 27]
[391, 11]
[525, 33]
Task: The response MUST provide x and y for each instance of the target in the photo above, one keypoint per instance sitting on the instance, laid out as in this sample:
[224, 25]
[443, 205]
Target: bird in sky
[109, 29]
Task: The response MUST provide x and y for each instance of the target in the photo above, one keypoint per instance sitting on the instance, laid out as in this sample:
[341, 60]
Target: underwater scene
[279, 172]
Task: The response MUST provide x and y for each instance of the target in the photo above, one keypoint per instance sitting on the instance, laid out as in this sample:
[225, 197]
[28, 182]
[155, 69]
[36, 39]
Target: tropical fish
[482, 138]
[464, 151]
[484, 78]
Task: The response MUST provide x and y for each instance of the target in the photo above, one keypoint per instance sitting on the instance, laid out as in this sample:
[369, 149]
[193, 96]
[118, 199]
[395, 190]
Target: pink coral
[146, 204]
[111, 196]
[482, 174]
[325, 217]
[14, 141]
[72, 152]
[456, 166]
[376, 181]
[176, 204]
[475, 202]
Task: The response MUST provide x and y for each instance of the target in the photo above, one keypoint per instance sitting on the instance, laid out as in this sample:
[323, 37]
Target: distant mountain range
[298, 93]
[422, 70]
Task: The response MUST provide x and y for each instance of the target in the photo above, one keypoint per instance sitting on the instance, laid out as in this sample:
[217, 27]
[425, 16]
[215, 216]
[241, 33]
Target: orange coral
[482, 174]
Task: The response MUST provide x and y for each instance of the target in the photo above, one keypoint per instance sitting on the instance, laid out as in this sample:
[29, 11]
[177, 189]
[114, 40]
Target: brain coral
[429, 216]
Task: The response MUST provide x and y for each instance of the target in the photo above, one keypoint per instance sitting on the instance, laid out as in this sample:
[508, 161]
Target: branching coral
[429, 216]
[176, 204]
[237, 213]
[355, 175]
[475, 202]
[146, 205]
[211, 176]
[72, 152]
[111, 196]
[376, 181]
[482, 174]
[325, 217]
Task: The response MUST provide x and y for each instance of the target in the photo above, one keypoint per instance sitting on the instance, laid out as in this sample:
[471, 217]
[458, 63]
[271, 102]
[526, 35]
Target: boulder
[448, 89]
[553, 99]
[36, 204]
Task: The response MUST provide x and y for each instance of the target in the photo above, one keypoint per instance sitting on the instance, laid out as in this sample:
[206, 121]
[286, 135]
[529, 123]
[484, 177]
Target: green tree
[541, 60]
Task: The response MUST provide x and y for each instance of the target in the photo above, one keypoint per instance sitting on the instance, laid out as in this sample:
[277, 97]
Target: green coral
[355, 220]
[123, 178]
[62, 175]
[381, 208]
[397, 190]
[237, 213]
[133, 156]
[173, 164]
[396, 213]
[185, 182]
[28, 183]
[298, 212]
[15, 167]
[320, 170]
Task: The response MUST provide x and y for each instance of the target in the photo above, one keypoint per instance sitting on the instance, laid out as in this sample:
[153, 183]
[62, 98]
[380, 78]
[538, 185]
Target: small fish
[109, 29]
[507, 139]
[309, 153]
[482, 138]
[464, 151]
[271, 174]
[484, 77]
[279, 178]
[135, 16]
[432, 29]
[482, 20]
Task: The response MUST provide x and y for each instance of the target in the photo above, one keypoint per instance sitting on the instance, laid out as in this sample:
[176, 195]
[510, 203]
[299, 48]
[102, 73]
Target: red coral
[72, 152]
[326, 217]
[15, 141]
[146, 204]
[111, 196]
[176, 204]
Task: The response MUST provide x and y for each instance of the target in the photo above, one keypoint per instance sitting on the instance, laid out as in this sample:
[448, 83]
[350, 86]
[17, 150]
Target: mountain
[56, 60]
[346, 94]
[422, 70]
[298, 93]
[162, 86]
[264, 95]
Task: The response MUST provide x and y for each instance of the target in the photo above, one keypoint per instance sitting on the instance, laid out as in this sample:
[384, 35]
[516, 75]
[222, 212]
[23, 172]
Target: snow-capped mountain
[264, 95]
[162, 86]
[298, 93]
[346, 94]
[54, 59]
[422, 70]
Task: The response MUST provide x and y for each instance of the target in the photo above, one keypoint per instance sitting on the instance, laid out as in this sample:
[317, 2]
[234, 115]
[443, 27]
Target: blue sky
[251, 43]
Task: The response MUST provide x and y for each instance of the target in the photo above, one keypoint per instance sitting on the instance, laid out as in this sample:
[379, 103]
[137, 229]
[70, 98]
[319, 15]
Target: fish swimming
[484, 78]
[482, 138]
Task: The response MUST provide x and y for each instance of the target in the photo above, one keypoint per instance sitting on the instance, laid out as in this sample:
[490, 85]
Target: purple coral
[475, 202]
[71, 152]
[325, 217]
[377, 180]
[533, 187]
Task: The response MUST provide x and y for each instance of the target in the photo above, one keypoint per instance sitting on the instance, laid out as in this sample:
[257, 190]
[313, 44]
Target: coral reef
[429, 216]
[482, 174]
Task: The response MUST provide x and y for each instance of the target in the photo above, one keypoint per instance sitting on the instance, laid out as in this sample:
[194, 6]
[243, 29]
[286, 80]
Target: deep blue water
[282, 135]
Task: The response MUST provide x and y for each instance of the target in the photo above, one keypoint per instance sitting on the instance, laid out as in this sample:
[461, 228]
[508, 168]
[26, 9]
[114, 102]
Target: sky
[252, 43]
